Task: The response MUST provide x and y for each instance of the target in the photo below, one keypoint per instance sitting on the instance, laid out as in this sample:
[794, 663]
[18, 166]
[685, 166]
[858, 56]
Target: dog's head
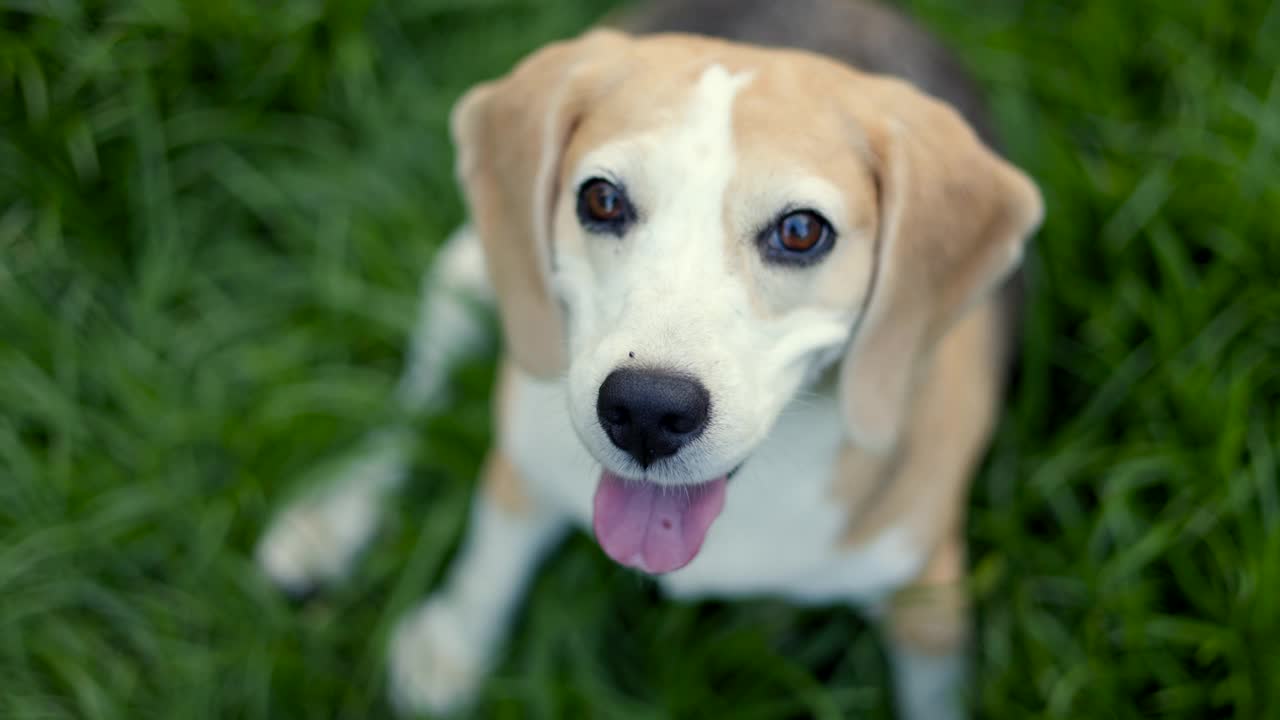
[690, 230]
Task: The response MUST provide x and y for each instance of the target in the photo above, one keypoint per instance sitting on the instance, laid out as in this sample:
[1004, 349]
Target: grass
[213, 217]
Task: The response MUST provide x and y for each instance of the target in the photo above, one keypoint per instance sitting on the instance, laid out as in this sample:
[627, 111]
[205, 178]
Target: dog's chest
[781, 528]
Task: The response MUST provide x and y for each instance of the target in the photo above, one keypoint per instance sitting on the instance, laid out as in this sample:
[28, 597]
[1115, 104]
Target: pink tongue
[654, 528]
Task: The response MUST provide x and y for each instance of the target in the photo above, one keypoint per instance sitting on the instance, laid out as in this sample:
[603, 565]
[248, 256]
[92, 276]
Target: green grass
[213, 217]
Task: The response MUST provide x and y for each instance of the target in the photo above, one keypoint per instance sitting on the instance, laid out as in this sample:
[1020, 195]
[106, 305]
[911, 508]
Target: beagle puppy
[756, 311]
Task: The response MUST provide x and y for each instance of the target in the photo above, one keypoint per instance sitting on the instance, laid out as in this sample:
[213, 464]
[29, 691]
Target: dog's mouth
[655, 528]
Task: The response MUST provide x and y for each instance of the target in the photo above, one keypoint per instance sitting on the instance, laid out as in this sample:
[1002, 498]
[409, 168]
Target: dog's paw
[436, 663]
[314, 541]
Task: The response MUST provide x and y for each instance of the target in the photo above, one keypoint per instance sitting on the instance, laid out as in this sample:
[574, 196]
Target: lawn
[213, 217]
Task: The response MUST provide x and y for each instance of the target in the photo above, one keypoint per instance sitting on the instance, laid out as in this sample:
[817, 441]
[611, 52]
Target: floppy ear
[954, 218]
[510, 134]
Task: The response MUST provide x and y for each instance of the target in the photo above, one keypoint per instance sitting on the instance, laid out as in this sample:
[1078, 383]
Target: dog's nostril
[679, 424]
[616, 415]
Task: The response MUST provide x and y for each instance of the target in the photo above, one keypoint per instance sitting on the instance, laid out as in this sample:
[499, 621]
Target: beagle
[756, 313]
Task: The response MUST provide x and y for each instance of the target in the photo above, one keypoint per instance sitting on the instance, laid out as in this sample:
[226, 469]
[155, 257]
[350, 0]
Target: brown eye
[603, 202]
[800, 231]
[603, 206]
[798, 238]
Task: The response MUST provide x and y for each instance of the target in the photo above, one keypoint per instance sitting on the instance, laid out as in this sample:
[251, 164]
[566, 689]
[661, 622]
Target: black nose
[651, 414]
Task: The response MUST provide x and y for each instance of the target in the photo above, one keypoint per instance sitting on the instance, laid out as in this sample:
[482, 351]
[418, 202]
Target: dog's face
[705, 262]
[690, 230]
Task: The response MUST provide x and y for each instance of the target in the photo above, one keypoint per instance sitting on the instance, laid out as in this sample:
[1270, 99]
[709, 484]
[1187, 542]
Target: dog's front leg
[926, 627]
[442, 650]
[316, 538]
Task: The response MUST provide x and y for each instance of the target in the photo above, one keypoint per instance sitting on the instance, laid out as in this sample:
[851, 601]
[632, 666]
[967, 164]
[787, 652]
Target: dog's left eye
[603, 206]
[798, 237]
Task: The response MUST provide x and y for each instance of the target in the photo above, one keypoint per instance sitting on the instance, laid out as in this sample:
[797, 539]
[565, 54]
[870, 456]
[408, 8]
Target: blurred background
[213, 218]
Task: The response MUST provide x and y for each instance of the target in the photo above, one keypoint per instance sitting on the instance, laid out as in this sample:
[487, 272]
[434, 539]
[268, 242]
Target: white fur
[314, 540]
[779, 532]
[929, 687]
[440, 652]
[453, 294]
[778, 535]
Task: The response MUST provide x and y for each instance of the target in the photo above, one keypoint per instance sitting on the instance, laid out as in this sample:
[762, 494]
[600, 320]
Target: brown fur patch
[503, 485]
[500, 478]
[950, 424]
[930, 617]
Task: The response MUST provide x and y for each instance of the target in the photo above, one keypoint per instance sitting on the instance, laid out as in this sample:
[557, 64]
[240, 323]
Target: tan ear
[954, 218]
[510, 135]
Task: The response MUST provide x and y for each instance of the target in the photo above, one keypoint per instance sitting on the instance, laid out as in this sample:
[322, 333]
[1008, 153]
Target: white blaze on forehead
[673, 261]
[703, 142]
[681, 244]
[697, 156]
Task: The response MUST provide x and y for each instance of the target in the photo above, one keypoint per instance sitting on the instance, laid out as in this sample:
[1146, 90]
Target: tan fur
[510, 187]
[925, 486]
[953, 414]
[503, 485]
[832, 147]
[954, 217]
[501, 481]
[861, 482]
[931, 617]
[872, 36]
[949, 429]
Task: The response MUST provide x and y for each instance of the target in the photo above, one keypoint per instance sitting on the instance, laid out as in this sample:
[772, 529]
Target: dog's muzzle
[651, 415]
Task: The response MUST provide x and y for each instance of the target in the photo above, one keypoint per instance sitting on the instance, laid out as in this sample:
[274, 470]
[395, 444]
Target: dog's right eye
[603, 207]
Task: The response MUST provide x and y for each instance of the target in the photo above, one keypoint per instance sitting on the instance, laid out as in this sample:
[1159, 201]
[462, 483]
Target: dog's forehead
[784, 108]
[792, 119]
[652, 88]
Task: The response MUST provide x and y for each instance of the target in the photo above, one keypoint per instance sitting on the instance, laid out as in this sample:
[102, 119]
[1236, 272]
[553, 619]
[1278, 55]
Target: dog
[755, 265]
